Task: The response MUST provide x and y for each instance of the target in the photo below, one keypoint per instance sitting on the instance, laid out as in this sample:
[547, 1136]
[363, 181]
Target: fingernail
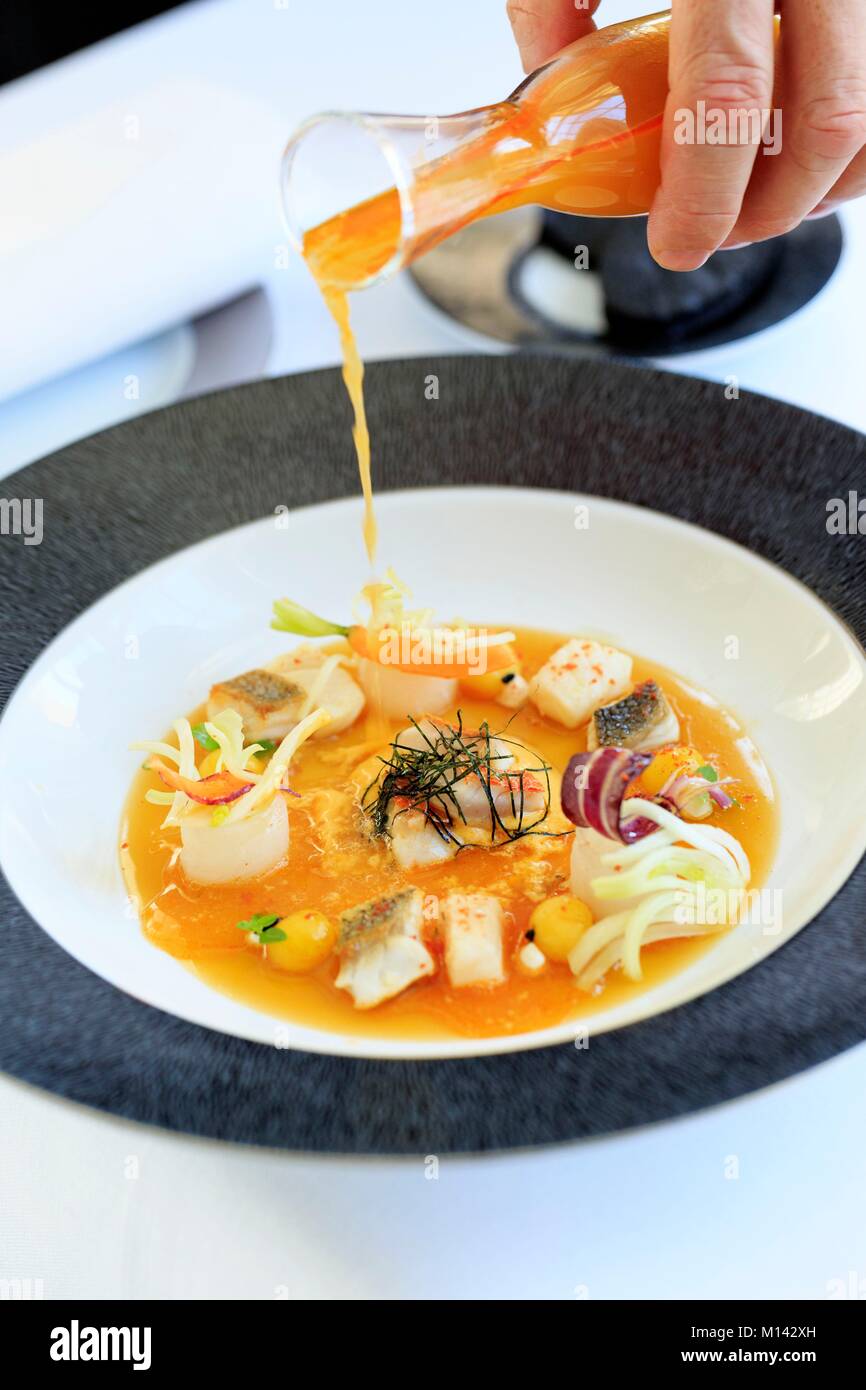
[733, 245]
[678, 260]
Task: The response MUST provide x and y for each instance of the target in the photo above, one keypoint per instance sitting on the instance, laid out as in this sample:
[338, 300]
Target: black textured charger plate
[751, 469]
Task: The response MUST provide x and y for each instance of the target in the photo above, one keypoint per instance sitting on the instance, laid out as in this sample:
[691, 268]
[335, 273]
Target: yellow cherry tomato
[310, 939]
[559, 923]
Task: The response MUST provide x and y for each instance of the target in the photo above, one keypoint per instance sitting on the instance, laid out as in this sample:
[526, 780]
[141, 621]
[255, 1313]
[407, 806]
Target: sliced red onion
[681, 789]
[684, 790]
[672, 788]
[636, 828]
[594, 787]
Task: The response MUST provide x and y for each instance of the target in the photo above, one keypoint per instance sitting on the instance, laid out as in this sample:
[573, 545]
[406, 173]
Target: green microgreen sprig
[263, 926]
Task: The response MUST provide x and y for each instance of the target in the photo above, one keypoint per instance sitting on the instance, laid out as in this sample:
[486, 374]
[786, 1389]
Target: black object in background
[34, 34]
[653, 310]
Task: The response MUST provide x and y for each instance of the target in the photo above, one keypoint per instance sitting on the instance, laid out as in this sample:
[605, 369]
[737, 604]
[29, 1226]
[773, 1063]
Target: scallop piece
[245, 848]
[472, 928]
[641, 720]
[397, 694]
[381, 949]
[587, 848]
[577, 678]
[336, 692]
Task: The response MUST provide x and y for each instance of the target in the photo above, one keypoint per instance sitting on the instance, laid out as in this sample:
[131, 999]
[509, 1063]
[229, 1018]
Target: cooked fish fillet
[268, 704]
[272, 699]
[381, 948]
[642, 720]
[516, 796]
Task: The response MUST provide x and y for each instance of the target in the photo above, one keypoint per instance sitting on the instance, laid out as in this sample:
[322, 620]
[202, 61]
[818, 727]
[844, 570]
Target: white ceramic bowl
[150, 649]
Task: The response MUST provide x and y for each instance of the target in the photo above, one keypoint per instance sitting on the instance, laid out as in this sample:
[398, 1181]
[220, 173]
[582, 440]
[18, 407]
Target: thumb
[543, 27]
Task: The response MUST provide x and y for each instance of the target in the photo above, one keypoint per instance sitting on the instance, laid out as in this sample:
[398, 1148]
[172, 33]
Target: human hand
[727, 195]
[543, 27]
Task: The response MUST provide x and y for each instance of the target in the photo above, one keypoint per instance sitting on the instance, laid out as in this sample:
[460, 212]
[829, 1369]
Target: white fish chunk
[519, 797]
[381, 951]
[438, 788]
[240, 849]
[515, 794]
[472, 928]
[578, 678]
[414, 839]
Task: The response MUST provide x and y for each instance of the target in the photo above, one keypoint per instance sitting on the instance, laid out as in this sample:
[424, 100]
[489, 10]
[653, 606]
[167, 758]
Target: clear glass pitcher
[366, 194]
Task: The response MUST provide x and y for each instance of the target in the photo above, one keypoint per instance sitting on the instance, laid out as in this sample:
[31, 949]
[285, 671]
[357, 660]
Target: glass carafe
[366, 194]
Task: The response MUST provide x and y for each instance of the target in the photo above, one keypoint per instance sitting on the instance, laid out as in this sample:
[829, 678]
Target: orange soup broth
[332, 865]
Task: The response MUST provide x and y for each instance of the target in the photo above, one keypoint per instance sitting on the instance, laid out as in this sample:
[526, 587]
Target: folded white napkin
[137, 216]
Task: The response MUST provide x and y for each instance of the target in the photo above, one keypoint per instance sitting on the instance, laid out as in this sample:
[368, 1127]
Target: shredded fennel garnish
[606, 950]
[387, 603]
[272, 778]
[227, 732]
[184, 757]
[323, 675]
[670, 878]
